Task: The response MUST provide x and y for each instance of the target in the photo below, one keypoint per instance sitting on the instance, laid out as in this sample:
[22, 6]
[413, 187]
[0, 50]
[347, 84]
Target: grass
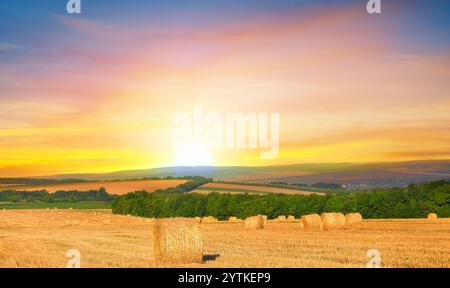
[39, 238]
[59, 205]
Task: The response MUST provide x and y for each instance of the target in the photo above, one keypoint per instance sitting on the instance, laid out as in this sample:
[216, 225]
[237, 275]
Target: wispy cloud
[8, 47]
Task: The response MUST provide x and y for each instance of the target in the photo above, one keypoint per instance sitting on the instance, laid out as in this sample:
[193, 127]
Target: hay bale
[290, 218]
[333, 221]
[254, 222]
[198, 219]
[311, 221]
[209, 219]
[280, 218]
[264, 219]
[432, 216]
[177, 241]
[353, 218]
[233, 219]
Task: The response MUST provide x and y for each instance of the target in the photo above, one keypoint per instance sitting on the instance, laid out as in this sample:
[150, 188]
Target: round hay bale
[254, 222]
[280, 218]
[311, 221]
[290, 218]
[353, 218]
[177, 241]
[233, 219]
[209, 219]
[432, 216]
[333, 221]
[264, 219]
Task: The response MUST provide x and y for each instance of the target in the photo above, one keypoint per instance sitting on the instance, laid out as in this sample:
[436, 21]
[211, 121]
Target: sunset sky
[95, 92]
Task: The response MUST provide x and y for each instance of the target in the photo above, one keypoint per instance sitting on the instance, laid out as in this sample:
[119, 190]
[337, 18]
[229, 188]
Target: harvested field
[112, 187]
[40, 238]
[237, 188]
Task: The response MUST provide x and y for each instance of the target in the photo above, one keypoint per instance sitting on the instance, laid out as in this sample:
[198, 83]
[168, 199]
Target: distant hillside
[351, 175]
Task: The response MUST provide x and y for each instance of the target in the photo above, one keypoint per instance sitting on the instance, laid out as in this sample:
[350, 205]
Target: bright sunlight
[193, 155]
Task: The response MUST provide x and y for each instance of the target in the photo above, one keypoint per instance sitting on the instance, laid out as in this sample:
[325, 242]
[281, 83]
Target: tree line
[414, 201]
[13, 196]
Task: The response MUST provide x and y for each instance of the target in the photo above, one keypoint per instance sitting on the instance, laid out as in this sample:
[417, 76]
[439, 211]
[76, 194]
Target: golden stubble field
[112, 187]
[40, 238]
[223, 186]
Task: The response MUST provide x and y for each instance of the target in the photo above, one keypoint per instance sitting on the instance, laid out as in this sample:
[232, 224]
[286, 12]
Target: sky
[96, 91]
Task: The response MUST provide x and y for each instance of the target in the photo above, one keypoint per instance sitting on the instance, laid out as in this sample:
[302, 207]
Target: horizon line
[234, 166]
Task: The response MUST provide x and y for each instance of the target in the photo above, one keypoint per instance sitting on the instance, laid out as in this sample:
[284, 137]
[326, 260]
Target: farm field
[58, 205]
[40, 238]
[236, 188]
[112, 187]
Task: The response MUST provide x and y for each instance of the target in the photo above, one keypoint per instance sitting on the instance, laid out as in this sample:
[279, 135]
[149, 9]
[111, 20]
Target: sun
[193, 155]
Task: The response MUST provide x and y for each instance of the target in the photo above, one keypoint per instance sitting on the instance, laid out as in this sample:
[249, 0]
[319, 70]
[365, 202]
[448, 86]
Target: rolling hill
[366, 175]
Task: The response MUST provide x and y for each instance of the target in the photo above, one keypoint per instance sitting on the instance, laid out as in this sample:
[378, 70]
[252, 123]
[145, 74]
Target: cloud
[92, 27]
[420, 154]
[8, 47]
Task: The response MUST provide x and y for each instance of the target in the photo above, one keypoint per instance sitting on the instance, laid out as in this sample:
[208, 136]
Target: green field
[59, 205]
